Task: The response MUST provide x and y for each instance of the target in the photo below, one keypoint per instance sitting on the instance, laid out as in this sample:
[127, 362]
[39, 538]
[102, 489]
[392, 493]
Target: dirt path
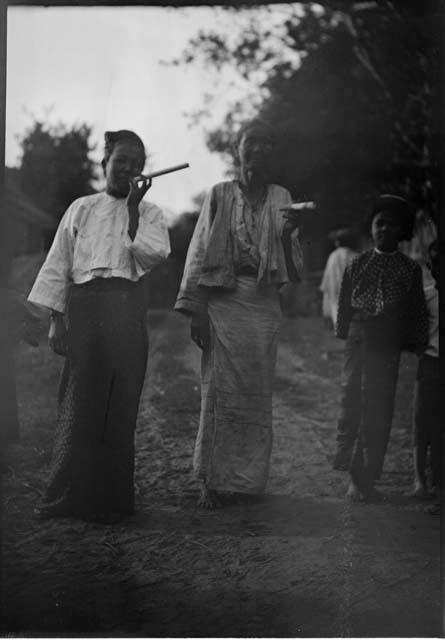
[305, 563]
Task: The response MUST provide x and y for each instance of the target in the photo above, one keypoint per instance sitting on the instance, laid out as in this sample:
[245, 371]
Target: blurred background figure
[418, 248]
[346, 242]
[426, 422]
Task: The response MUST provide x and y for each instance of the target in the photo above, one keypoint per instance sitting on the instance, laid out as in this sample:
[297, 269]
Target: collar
[113, 198]
[241, 196]
[385, 253]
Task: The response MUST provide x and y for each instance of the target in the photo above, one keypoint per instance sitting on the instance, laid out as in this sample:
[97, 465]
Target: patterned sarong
[93, 458]
[234, 441]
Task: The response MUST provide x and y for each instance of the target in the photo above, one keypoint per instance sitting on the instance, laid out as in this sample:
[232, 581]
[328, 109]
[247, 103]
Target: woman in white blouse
[90, 281]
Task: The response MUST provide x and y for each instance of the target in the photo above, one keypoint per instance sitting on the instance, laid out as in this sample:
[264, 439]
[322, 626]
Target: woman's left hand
[291, 223]
[138, 188]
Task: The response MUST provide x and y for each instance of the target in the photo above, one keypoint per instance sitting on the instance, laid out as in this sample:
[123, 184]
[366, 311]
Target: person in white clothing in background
[345, 250]
[90, 281]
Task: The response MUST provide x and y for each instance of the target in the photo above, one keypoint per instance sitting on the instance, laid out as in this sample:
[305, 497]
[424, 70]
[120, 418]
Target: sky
[103, 66]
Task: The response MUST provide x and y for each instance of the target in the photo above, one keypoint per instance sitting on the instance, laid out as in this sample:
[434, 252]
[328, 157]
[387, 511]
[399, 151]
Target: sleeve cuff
[190, 306]
[42, 297]
[146, 254]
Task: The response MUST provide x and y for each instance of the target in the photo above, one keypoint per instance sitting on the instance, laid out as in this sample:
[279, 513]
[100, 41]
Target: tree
[56, 167]
[351, 90]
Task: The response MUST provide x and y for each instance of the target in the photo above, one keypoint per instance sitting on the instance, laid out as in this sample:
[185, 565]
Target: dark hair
[112, 138]
[345, 237]
[255, 123]
[395, 206]
[433, 251]
[434, 246]
[433, 259]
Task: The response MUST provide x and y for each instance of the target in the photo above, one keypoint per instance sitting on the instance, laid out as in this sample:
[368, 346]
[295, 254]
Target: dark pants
[427, 420]
[350, 402]
[371, 368]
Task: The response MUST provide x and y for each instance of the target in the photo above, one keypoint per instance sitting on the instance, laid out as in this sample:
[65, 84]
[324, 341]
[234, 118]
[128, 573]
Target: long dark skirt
[93, 458]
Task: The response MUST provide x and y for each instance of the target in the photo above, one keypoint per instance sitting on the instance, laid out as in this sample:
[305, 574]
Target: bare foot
[342, 459]
[209, 500]
[353, 493]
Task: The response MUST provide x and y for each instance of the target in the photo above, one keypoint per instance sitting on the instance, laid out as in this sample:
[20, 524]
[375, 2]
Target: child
[381, 311]
[345, 250]
[427, 392]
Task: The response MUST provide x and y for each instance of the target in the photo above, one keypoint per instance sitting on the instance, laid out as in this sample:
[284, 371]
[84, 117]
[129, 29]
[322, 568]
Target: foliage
[350, 88]
[56, 167]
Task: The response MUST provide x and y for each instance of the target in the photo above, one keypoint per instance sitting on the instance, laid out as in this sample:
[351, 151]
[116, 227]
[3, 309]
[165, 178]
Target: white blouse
[92, 241]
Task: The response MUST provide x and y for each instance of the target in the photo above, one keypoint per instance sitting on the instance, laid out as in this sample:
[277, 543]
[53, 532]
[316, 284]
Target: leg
[353, 493]
[92, 470]
[115, 452]
[350, 404]
[429, 392]
[358, 489]
[71, 484]
[208, 499]
[420, 438]
[427, 425]
[379, 386]
[233, 446]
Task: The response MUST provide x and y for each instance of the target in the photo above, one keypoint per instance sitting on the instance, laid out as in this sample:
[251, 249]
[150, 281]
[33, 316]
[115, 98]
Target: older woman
[241, 252]
[91, 283]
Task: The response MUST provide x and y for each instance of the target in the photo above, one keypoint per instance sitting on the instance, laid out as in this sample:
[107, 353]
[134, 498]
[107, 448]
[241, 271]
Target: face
[254, 150]
[125, 162]
[385, 231]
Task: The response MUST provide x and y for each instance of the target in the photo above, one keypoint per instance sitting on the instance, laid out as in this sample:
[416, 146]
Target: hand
[138, 188]
[200, 330]
[291, 214]
[57, 335]
[291, 223]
